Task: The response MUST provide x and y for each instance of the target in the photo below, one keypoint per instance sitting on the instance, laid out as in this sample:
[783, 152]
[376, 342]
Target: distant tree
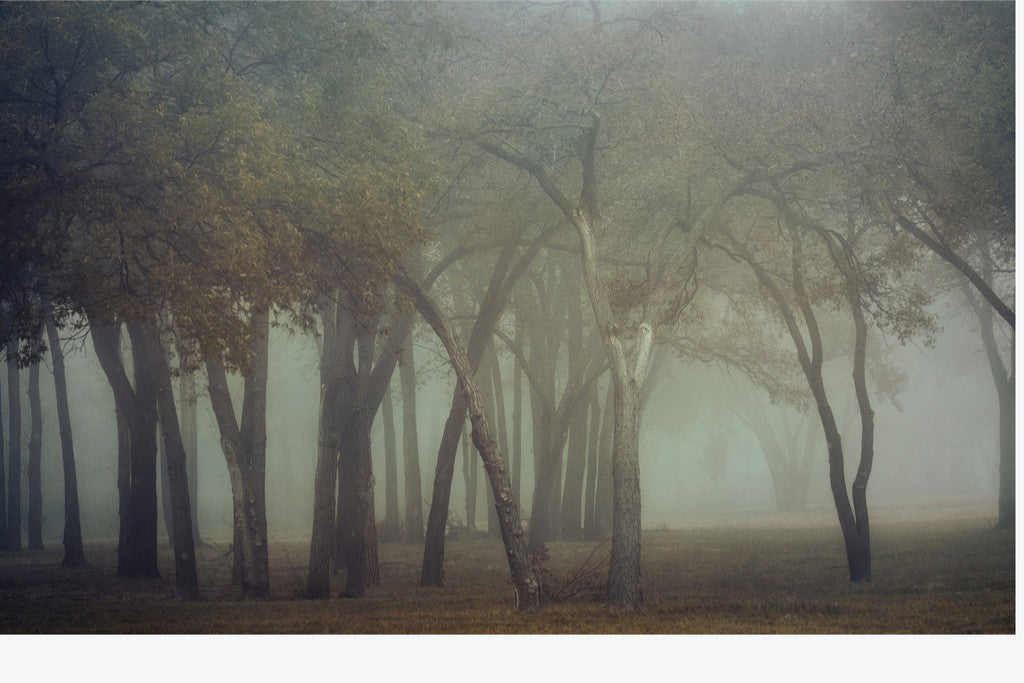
[13, 448]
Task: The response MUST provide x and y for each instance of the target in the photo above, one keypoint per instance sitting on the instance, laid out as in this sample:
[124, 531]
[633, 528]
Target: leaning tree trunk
[867, 432]
[517, 419]
[35, 461]
[501, 423]
[13, 448]
[410, 447]
[469, 479]
[525, 582]
[74, 555]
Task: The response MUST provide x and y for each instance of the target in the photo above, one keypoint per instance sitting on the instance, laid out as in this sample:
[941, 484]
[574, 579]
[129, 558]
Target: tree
[13, 448]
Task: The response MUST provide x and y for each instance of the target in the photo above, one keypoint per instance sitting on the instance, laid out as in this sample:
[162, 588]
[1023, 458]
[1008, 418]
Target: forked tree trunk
[410, 447]
[244, 445]
[525, 583]
[137, 552]
[35, 461]
[74, 555]
[13, 448]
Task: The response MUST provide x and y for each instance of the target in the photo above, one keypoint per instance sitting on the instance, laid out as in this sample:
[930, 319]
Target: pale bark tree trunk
[498, 394]
[410, 447]
[35, 461]
[517, 420]
[593, 449]
[74, 554]
[469, 482]
[244, 443]
[576, 463]
[13, 448]
[391, 530]
[525, 583]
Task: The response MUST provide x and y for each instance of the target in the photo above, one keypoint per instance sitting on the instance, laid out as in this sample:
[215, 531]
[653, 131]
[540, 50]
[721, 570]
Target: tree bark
[576, 464]
[244, 445]
[498, 394]
[604, 494]
[187, 418]
[391, 530]
[147, 339]
[593, 449]
[13, 448]
[137, 553]
[410, 447]
[469, 482]
[517, 420]
[74, 554]
[35, 461]
[525, 583]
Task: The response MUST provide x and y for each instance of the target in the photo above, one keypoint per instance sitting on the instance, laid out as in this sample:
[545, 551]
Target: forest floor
[930, 576]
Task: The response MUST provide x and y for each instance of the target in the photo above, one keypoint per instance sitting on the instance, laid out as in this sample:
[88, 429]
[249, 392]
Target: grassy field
[930, 577]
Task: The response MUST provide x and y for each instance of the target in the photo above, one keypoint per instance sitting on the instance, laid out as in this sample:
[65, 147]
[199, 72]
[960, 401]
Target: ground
[781, 575]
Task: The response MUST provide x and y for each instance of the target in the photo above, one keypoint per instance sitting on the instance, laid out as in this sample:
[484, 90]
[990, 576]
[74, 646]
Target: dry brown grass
[931, 577]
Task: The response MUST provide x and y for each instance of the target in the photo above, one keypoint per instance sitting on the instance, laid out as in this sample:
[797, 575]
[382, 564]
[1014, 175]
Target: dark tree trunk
[867, 431]
[165, 492]
[13, 448]
[391, 530]
[1007, 454]
[624, 587]
[147, 340]
[244, 444]
[361, 560]
[333, 397]
[410, 447]
[138, 556]
[124, 490]
[190, 440]
[3, 481]
[74, 555]
[35, 461]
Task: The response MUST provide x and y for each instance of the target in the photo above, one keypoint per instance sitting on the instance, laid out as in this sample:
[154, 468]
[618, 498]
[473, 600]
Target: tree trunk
[187, 418]
[391, 530]
[432, 571]
[35, 461]
[500, 421]
[469, 480]
[3, 479]
[165, 492]
[576, 463]
[410, 447]
[137, 552]
[1007, 466]
[74, 555]
[624, 587]
[185, 577]
[517, 420]
[525, 582]
[244, 444]
[13, 448]
[867, 432]
[361, 543]
[604, 494]
[593, 448]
